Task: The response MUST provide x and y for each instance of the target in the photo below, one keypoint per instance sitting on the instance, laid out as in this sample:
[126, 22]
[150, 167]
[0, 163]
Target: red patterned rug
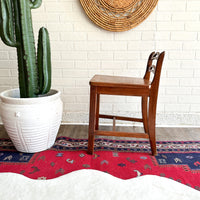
[178, 160]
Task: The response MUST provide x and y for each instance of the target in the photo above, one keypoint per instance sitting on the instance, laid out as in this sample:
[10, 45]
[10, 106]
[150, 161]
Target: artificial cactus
[16, 31]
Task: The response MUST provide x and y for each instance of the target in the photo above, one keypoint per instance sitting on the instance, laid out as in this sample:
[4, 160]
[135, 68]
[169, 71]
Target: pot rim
[12, 96]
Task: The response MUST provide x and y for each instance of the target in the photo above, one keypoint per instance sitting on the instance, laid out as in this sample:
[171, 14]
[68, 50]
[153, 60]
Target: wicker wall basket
[118, 15]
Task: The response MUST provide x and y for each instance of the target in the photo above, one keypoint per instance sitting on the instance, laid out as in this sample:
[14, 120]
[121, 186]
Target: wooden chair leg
[152, 124]
[93, 103]
[97, 112]
[145, 113]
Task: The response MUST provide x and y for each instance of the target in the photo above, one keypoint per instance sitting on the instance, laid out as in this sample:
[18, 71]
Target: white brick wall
[81, 49]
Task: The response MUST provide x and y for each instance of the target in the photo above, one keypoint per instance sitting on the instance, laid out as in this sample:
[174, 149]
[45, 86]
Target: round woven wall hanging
[118, 15]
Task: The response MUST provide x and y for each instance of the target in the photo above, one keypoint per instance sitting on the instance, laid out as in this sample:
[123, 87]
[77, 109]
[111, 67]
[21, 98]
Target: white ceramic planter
[31, 123]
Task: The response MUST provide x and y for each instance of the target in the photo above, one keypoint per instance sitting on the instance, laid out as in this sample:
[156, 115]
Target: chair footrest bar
[121, 134]
[121, 118]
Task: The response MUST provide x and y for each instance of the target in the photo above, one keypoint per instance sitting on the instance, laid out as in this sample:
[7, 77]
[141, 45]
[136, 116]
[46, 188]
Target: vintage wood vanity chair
[128, 86]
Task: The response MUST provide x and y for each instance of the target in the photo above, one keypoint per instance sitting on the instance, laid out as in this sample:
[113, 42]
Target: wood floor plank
[162, 133]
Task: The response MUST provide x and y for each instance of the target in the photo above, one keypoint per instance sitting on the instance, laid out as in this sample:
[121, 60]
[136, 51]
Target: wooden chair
[145, 87]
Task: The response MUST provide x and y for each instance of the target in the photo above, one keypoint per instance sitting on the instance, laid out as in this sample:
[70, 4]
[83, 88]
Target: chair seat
[119, 81]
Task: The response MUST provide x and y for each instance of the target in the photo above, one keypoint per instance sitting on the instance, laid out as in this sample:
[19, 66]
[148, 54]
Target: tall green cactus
[16, 31]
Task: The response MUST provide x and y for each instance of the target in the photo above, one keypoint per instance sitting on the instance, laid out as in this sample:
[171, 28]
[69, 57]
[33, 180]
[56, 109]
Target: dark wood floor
[163, 134]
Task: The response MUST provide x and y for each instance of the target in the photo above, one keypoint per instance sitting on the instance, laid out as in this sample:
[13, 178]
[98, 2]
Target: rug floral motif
[177, 160]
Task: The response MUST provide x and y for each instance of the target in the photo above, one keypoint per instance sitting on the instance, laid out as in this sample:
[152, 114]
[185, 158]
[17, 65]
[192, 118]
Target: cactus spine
[16, 31]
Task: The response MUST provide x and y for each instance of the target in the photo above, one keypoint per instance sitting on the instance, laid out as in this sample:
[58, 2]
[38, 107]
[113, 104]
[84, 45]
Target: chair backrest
[154, 66]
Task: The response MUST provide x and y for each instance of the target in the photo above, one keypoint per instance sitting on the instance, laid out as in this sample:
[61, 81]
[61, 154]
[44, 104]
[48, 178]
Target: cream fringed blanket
[93, 185]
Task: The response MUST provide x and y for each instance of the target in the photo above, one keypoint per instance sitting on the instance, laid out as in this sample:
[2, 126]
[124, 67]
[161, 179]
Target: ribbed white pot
[31, 123]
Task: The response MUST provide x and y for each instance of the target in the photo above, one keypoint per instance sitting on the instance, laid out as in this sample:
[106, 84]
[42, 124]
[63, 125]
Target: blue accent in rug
[190, 159]
[15, 157]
